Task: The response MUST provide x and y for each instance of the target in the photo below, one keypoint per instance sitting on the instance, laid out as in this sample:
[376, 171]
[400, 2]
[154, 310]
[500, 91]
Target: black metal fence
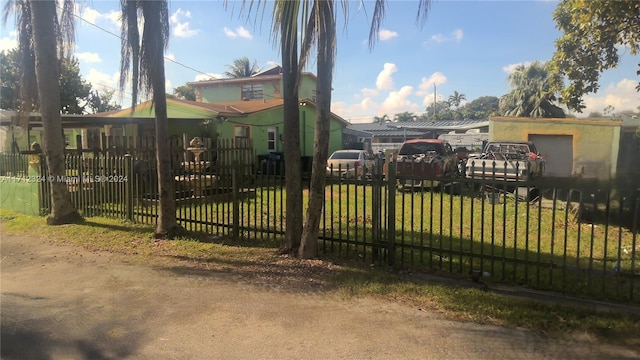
[570, 236]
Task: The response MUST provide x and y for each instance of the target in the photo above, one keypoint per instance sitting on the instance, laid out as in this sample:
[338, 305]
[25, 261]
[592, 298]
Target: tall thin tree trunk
[326, 46]
[166, 225]
[292, 153]
[43, 14]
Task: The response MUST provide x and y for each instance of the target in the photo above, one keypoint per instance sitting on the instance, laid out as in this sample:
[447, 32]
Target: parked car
[506, 160]
[350, 164]
[425, 163]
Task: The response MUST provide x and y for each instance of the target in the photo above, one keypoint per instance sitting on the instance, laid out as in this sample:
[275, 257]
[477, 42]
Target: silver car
[350, 164]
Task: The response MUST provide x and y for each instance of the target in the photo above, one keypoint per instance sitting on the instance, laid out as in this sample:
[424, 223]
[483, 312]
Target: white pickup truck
[507, 161]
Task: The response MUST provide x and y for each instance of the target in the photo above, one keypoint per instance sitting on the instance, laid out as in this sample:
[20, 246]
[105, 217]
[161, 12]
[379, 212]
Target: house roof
[274, 73]
[274, 70]
[177, 109]
[417, 128]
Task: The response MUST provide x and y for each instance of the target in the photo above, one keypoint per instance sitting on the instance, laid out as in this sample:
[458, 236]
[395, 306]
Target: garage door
[557, 152]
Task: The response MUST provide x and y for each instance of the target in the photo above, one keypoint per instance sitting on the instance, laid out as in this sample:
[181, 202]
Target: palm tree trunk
[166, 225]
[43, 14]
[326, 48]
[292, 153]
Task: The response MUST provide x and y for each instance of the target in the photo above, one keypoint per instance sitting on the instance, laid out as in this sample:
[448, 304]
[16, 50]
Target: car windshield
[417, 148]
[345, 155]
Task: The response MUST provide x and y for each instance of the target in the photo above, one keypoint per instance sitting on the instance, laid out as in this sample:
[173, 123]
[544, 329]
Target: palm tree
[40, 29]
[381, 119]
[318, 27]
[404, 117]
[456, 99]
[531, 94]
[242, 67]
[325, 33]
[144, 56]
[285, 23]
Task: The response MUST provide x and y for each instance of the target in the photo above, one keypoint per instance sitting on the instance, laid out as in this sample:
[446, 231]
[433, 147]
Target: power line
[120, 37]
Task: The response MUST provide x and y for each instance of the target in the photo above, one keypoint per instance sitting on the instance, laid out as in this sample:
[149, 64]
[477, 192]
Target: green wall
[19, 194]
[271, 89]
[595, 142]
[260, 122]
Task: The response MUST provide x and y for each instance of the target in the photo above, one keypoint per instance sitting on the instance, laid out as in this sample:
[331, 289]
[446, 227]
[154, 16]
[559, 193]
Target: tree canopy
[185, 92]
[404, 117]
[242, 67]
[75, 92]
[531, 94]
[593, 35]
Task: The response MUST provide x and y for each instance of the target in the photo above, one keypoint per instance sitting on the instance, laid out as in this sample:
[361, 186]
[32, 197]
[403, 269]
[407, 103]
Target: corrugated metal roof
[417, 128]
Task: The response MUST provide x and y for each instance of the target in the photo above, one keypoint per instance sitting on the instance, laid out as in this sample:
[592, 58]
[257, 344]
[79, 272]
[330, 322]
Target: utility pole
[435, 109]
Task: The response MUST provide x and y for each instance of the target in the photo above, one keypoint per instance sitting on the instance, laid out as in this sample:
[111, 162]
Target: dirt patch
[61, 301]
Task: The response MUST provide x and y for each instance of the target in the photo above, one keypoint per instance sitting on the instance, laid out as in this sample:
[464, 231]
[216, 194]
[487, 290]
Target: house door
[557, 152]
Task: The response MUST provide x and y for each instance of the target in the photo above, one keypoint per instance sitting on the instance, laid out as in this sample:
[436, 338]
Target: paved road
[62, 302]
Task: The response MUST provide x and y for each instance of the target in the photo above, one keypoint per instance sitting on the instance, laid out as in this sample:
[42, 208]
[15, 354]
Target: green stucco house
[240, 108]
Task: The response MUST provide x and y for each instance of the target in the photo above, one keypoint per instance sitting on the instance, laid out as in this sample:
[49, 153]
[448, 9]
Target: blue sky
[464, 46]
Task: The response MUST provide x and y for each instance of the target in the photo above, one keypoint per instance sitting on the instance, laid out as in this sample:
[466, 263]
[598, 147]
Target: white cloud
[88, 57]
[181, 29]
[239, 32]
[93, 16]
[511, 67]
[100, 80]
[426, 84]
[208, 76]
[90, 15]
[398, 102]
[168, 87]
[369, 92]
[387, 34]
[455, 36]
[384, 80]
[622, 96]
[428, 98]
[8, 43]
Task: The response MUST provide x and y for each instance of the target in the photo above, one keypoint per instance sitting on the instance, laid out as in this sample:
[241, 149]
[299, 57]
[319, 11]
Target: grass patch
[258, 263]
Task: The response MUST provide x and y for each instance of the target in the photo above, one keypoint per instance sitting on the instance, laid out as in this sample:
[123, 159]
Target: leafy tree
[73, 89]
[481, 108]
[102, 101]
[456, 99]
[531, 94]
[144, 57]
[591, 34]
[44, 37]
[185, 92]
[381, 119]
[595, 114]
[242, 67]
[9, 80]
[404, 117]
[438, 111]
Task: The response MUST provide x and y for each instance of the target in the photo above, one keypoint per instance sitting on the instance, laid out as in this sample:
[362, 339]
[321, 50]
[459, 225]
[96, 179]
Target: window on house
[313, 95]
[240, 131]
[252, 92]
[272, 139]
